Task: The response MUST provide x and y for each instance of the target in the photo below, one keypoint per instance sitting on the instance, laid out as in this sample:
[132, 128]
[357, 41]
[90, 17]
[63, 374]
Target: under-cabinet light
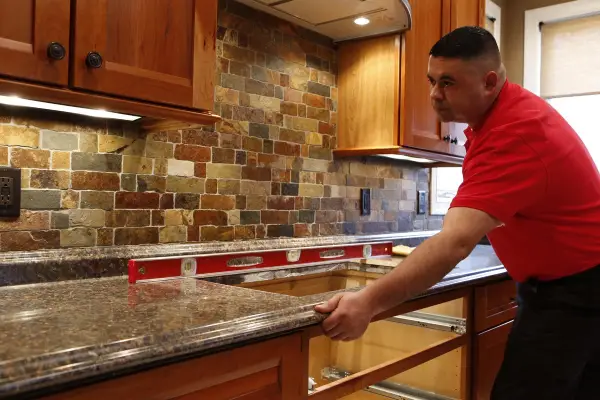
[17, 101]
[361, 21]
[406, 158]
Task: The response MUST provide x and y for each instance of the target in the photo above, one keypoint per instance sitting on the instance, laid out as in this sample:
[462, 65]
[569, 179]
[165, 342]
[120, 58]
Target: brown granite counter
[54, 334]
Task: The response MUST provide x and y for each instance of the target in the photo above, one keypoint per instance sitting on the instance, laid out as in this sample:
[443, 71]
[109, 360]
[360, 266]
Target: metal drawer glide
[432, 321]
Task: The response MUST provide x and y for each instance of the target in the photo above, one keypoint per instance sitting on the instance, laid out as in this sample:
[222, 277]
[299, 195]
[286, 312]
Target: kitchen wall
[513, 25]
[266, 170]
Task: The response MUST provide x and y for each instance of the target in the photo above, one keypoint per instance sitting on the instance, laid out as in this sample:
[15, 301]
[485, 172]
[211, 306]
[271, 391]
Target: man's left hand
[350, 316]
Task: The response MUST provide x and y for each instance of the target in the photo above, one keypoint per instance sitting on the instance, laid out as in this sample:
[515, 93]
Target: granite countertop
[55, 333]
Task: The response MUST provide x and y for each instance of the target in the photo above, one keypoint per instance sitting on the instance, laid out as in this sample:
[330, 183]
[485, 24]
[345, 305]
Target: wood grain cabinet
[384, 103]
[154, 58]
[273, 369]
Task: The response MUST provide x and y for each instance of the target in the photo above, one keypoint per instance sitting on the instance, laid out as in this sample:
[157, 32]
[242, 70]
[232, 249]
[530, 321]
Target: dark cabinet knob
[454, 141]
[56, 51]
[447, 138]
[93, 60]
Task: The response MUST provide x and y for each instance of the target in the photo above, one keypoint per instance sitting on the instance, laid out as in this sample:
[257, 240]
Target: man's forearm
[423, 268]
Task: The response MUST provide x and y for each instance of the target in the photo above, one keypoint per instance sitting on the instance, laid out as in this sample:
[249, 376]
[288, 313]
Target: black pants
[553, 351]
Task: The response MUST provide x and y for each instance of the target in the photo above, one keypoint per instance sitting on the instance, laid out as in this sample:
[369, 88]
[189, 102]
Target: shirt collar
[491, 114]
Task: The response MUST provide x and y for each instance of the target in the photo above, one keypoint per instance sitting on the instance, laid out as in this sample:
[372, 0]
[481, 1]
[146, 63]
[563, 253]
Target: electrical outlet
[10, 192]
[421, 202]
[365, 201]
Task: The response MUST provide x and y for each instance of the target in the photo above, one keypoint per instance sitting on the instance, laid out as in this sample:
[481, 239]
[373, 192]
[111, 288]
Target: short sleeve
[503, 176]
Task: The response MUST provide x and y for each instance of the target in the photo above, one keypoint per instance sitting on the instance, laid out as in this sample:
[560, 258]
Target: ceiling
[335, 18]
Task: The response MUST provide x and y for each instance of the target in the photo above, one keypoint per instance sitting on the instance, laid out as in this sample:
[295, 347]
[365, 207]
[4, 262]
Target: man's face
[458, 89]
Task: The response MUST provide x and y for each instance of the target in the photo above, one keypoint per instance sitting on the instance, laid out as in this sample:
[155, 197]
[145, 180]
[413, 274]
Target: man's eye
[444, 84]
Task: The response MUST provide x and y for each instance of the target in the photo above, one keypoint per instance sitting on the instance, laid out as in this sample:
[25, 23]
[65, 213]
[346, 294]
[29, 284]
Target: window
[445, 181]
[562, 57]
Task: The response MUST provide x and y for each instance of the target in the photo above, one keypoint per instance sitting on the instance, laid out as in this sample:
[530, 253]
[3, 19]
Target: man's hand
[350, 316]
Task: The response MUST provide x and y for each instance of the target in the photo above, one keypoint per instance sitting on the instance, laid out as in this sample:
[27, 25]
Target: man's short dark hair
[467, 43]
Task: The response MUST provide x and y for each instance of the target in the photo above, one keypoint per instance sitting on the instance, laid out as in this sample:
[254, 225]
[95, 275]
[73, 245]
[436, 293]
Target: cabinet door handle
[454, 141]
[447, 138]
[56, 51]
[93, 59]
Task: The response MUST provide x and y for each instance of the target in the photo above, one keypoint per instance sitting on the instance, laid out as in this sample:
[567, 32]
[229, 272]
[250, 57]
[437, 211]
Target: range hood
[335, 18]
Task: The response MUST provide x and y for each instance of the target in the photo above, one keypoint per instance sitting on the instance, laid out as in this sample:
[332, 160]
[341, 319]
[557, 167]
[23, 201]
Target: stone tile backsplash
[266, 170]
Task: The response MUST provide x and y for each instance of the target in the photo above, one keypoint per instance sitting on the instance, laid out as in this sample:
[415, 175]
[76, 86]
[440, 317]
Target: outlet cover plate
[421, 202]
[365, 201]
[10, 192]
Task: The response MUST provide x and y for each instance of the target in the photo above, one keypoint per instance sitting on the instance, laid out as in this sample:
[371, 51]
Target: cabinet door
[489, 354]
[420, 127]
[162, 51]
[274, 369]
[27, 29]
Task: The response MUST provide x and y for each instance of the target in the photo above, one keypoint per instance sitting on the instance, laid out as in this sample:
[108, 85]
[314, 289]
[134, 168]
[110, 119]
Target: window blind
[570, 62]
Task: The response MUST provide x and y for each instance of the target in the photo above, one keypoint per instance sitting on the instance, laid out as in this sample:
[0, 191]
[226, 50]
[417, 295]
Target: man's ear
[491, 81]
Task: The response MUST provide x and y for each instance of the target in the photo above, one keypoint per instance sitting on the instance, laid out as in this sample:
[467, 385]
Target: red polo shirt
[528, 168]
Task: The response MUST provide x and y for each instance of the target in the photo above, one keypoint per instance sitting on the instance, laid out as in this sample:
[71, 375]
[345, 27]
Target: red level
[231, 263]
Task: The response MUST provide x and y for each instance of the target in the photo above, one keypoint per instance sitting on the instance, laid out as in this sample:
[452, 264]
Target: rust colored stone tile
[280, 175]
[302, 230]
[151, 183]
[252, 159]
[230, 141]
[240, 202]
[104, 237]
[210, 217]
[166, 201]
[287, 149]
[69, 199]
[192, 153]
[289, 135]
[28, 220]
[218, 233]
[274, 217]
[3, 155]
[45, 179]
[318, 114]
[29, 158]
[83, 180]
[275, 188]
[210, 186]
[248, 114]
[135, 236]
[223, 156]
[200, 137]
[240, 157]
[289, 108]
[127, 218]
[280, 203]
[217, 202]
[233, 127]
[29, 241]
[256, 173]
[158, 217]
[193, 234]
[245, 232]
[136, 200]
[325, 128]
[200, 170]
[271, 161]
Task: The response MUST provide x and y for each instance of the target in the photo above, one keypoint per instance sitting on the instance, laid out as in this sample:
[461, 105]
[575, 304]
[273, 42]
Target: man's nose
[436, 93]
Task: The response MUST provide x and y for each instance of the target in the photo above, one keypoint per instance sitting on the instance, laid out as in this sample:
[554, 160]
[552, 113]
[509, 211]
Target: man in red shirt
[530, 185]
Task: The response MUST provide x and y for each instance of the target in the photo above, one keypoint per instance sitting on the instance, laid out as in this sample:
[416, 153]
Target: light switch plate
[421, 202]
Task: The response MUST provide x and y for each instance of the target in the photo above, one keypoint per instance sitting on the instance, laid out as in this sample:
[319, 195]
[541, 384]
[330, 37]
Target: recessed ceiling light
[361, 21]
[90, 112]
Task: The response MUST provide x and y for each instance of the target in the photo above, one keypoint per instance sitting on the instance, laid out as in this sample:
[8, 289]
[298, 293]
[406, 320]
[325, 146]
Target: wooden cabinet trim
[495, 304]
[486, 362]
[75, 98]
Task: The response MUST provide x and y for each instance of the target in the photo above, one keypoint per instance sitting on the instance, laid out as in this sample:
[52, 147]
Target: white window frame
[532, 65]
[493, 10]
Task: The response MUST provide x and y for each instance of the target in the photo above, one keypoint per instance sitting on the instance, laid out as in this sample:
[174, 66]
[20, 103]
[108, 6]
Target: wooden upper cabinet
[161, 51]
[28, 29]
[368, 81]
[420, 126]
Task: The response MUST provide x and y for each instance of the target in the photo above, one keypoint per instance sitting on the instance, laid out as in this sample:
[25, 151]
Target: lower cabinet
[270, 370]
[489, 353]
